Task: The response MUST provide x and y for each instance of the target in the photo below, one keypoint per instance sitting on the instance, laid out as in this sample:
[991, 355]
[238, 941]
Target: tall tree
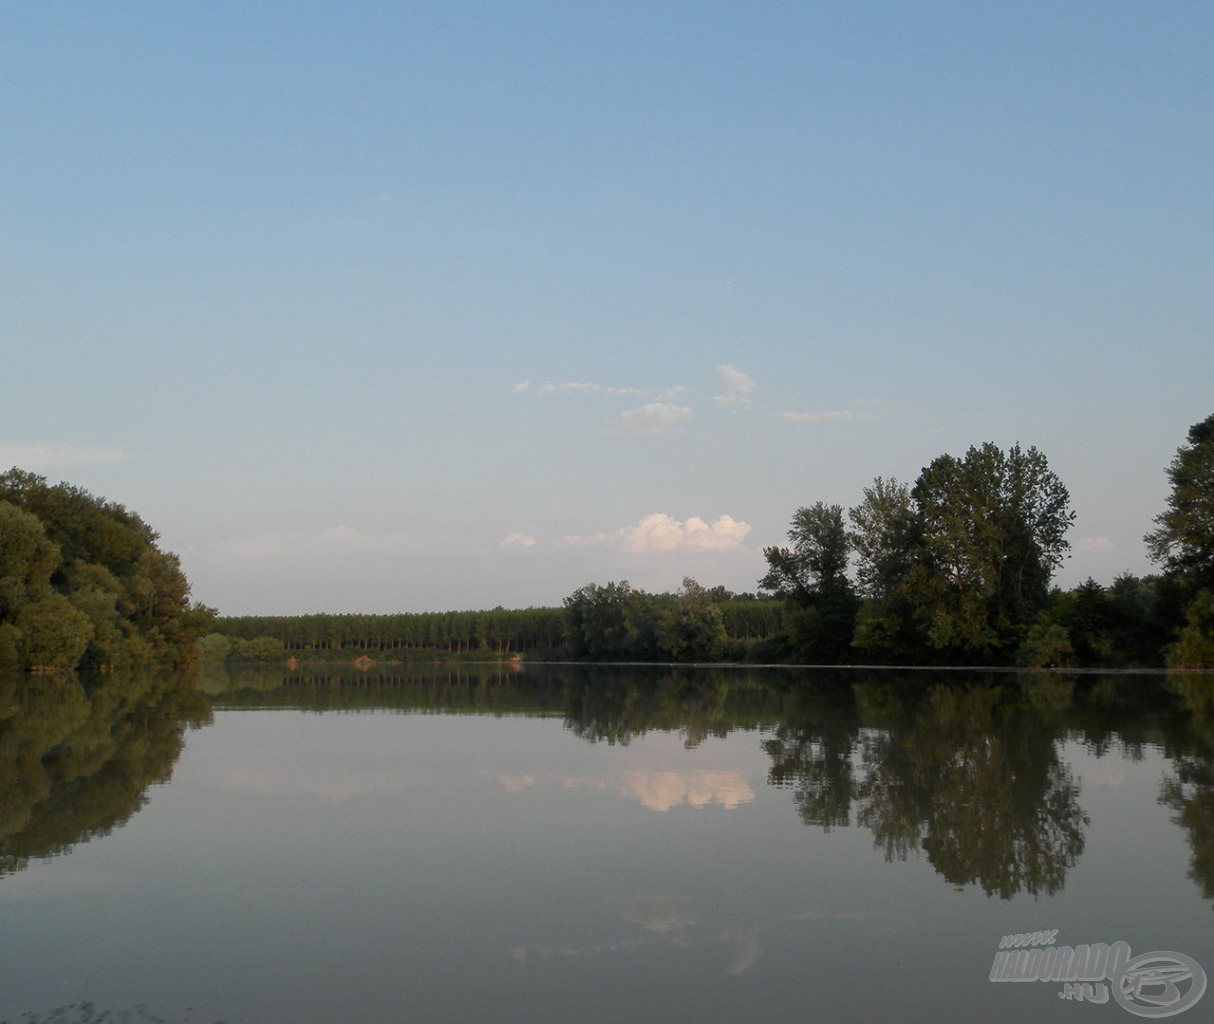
[1183, 541]
[812, 577]
[882, 533]
[991, 530]
[816, 564]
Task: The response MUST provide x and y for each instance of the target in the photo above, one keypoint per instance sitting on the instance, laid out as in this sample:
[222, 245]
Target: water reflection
[972, 778]
[965, 771]
[1189, 789]
[77, 755]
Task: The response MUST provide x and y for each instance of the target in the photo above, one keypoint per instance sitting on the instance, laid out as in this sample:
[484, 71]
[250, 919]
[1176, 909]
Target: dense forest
[83, 584]
[953, 569]
[611, 623]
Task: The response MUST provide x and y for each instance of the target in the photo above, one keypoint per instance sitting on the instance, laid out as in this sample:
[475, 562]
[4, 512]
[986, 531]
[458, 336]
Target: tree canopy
[83, 584]
[1183, 540]
[958, 565]
[990, 529]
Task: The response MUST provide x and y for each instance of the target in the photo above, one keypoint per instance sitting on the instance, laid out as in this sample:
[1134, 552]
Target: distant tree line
[499, 631]
[84, 586]
[955, 568]
[612, 622]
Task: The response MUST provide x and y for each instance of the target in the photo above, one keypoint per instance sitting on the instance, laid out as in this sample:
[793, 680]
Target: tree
[816, 565]
[692, 629]
[41, 628]
[611, 623]
[812, 577]
[883, 527]
[883, 537]
[83, 585]
[1183, 541]
[1195, 646]
[990, 531]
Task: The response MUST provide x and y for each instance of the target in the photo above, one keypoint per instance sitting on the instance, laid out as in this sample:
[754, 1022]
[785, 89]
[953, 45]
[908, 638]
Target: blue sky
[379, 307]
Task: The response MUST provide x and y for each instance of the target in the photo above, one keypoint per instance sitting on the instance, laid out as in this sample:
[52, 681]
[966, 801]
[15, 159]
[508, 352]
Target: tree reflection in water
[78, 754]
[1189, 790]
[969, 775]
[963, 769]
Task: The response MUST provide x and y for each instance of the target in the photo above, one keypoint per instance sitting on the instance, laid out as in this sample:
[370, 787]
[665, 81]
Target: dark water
[601, 844]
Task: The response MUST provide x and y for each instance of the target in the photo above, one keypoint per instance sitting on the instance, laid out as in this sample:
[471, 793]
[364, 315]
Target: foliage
[956, 567]
[612, 623]
[812, 577]
[213, 649]
[1183, 541]
[883, 525]
[692, 628]
[260, 648]
[1047, 645]
[1195, 647]
[498, 631]
[990, 531]
[816, 564]
[82, 584]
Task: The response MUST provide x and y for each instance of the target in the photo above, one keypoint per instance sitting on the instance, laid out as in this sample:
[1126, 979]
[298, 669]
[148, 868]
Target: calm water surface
[602, 844]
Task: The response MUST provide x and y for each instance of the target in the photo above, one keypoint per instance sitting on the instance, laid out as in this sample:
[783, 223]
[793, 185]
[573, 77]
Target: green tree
[1183, 541]
[82, 583]
[882, 536]
[990, 531]
[1046, 645]
[1195, 646]
[692, 628]
[816, 564]
[812, 577]
[42, 630]
[611, 623]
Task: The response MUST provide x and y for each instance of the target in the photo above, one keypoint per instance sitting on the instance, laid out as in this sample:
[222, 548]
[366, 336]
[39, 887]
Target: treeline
[616, 622]
[957, 569]
[83, 584]
[953, 569]
[499, 631]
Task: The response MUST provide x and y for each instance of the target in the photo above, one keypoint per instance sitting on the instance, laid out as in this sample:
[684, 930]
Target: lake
[558, 843]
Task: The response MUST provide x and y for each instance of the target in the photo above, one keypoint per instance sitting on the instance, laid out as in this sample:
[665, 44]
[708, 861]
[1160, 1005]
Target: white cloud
[516, 540]
[739, 388]
[521, 387]
[836, 416]
[39, 456]
[1095, 544]
[660, 532]
[585, 387]
[654, 418]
